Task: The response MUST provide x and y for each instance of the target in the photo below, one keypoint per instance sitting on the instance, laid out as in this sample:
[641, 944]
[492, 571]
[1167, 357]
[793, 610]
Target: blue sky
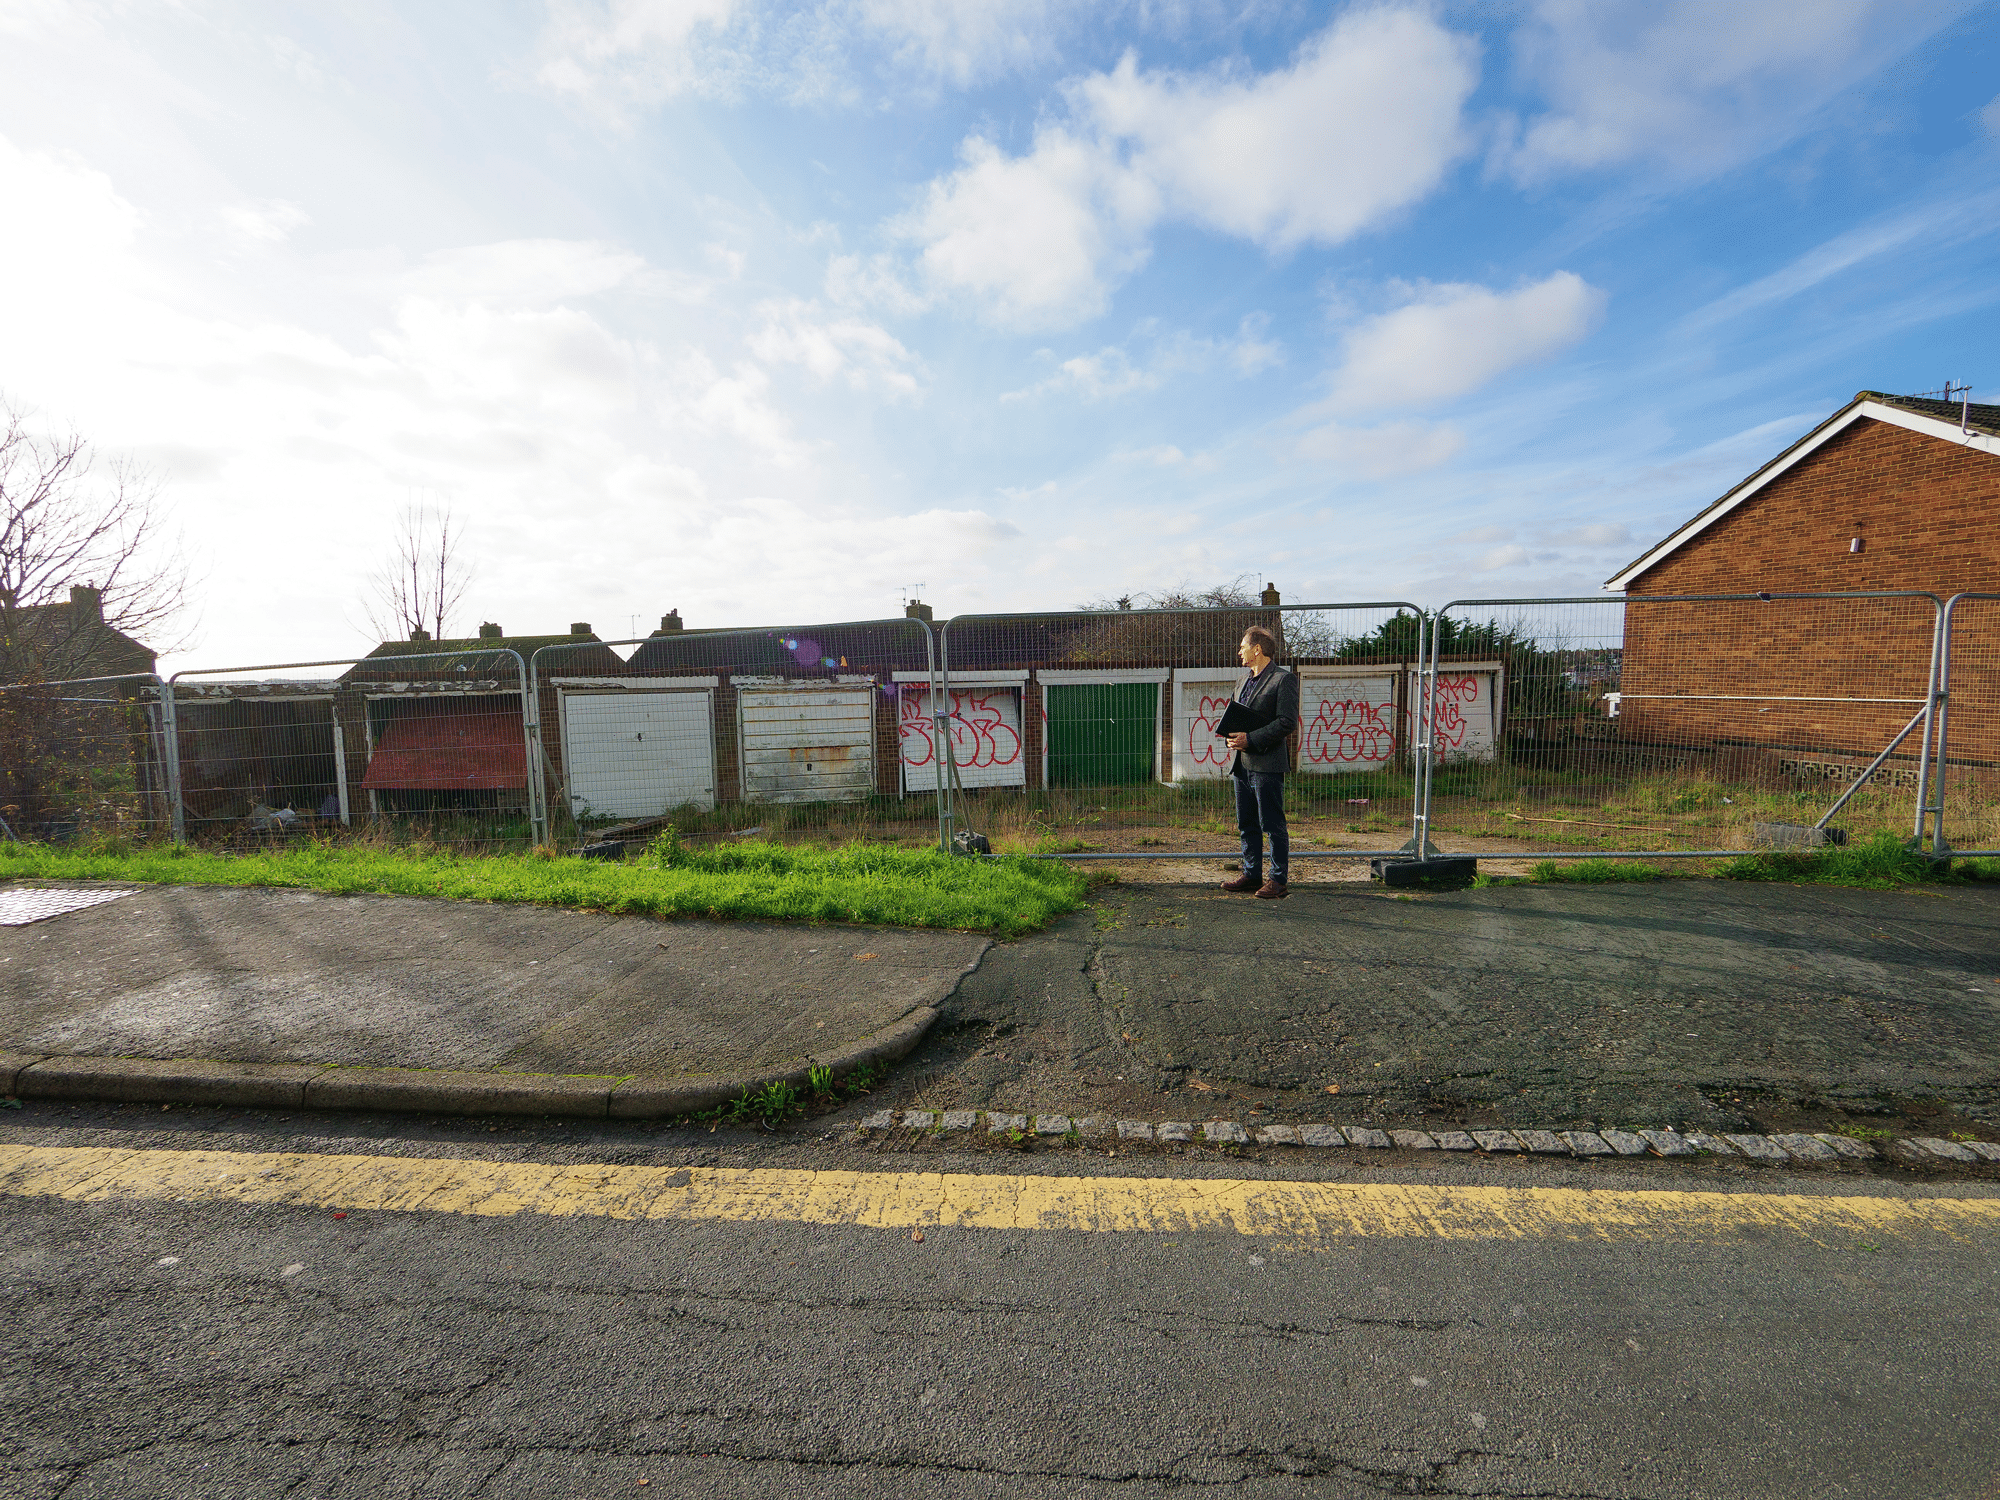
[769, 313]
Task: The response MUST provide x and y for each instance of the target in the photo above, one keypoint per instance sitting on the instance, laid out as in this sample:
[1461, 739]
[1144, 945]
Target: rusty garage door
[811, 742]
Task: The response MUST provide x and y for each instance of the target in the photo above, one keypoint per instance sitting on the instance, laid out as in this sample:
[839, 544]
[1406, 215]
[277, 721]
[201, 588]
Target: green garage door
[1102, 733]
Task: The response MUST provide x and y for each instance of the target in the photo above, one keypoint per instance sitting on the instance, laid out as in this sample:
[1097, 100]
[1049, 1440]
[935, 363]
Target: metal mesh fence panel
[815, 732]
[1114, 713]
[403, 746]
[83, 758]
[1968, 769]
[1677, 724]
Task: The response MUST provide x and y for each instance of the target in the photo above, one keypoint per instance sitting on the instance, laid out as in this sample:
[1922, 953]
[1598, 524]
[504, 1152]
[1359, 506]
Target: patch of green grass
[1861, 1133]
[766, 1107]
[1005, 896]
[1881, 862]
[1594, 871]
[1976, 869]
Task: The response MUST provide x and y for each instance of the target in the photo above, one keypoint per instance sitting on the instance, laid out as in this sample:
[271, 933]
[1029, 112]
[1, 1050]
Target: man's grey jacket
[1275, 691]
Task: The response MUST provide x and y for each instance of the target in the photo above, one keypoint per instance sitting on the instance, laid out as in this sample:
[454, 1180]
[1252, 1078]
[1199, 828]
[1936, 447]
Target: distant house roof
[52, 642]
[483, 657]
[805, 651]
[1971, 426]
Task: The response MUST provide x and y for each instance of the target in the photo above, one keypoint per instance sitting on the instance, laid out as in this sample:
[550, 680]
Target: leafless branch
[64, 523]
[422, 585]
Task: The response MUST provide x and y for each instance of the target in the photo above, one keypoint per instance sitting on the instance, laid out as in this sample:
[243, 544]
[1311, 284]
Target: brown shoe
[1273, 890]
[1241, 884]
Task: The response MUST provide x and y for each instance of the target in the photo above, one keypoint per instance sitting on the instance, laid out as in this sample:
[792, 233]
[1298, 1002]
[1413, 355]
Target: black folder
[1241, 718]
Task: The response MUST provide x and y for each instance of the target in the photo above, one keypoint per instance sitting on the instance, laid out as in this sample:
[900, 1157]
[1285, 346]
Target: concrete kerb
[138, 1080]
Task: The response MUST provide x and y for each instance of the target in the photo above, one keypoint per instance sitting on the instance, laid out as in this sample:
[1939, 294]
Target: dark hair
[1263, 640]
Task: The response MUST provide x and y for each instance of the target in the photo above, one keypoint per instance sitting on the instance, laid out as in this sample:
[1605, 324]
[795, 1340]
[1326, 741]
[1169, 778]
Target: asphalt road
[241, 1348]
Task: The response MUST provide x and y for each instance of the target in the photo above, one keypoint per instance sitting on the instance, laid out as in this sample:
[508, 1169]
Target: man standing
[1259, 764]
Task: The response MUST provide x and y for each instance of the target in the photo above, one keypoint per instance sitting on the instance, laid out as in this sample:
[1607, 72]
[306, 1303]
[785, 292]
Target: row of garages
[621, 746]
[634, 747]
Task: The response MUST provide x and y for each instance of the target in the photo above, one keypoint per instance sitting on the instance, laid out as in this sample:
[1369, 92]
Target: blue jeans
[1260, 809]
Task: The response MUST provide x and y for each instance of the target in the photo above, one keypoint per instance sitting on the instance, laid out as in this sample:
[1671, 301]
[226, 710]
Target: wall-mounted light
[1857, 545]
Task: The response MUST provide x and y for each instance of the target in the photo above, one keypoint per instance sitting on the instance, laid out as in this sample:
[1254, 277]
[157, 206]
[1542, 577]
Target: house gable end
[1865, 408]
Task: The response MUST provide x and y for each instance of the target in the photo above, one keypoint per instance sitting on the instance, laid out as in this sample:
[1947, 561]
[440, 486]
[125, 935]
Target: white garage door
[1346, 723]
[808, 744]
[1468, 712]
[638, 755]
[985, 737]
[1201, 698]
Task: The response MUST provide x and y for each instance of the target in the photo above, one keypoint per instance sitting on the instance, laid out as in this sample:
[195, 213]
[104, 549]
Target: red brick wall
[1928, 512]
[1928, 509]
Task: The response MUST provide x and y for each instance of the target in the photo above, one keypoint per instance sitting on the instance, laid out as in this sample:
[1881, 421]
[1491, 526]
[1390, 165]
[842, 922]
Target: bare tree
[89, 539]
[1301, 634]
[1237, 593]
[422, 586]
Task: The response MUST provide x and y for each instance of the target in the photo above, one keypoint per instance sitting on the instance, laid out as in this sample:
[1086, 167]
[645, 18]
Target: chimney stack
[579, 627]
[670, 623]
[87, 601]
[420, 634]
[916, 609]
[491, 632]
[1270, 596]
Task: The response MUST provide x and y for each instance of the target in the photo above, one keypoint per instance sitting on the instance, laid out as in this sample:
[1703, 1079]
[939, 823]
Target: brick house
[74, 757]
[1888, 493]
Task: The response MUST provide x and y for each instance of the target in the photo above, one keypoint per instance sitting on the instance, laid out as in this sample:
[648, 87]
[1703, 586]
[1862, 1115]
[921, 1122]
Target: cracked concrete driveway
[1702, 1003]
[275, 976]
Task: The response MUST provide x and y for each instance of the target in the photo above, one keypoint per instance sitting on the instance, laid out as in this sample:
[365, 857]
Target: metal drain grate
[19, 908]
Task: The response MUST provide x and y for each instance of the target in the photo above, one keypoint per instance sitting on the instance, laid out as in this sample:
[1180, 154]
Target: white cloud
[1113, 371]
[267, 222]
[641, 48]
[860, 354]
[1936, 225]
[872, 281]
[528, 272]
[1453, 338]
[1597, 534]
[609, 54]
[1691, 87]
[1038, 239]
[1510, 556]
[1363, 124]
[961, 40]
[1382, 452]
[491, 374]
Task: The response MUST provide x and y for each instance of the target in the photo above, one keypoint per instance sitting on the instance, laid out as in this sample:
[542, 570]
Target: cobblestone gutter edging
[1772, 1150]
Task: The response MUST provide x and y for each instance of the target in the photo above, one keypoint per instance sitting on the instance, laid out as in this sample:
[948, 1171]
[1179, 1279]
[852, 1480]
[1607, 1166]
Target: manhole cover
[19, 908]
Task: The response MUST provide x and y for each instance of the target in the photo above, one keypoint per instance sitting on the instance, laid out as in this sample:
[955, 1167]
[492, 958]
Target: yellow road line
[910, 1200]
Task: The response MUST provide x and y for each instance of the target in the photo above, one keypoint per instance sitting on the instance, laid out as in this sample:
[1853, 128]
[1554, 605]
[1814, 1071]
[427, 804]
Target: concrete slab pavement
[281, 986]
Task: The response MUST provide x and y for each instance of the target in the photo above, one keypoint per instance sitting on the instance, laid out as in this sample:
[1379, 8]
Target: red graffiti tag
[1453, 694]
[980, 735]
[1203, 747]
[1348, 732]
